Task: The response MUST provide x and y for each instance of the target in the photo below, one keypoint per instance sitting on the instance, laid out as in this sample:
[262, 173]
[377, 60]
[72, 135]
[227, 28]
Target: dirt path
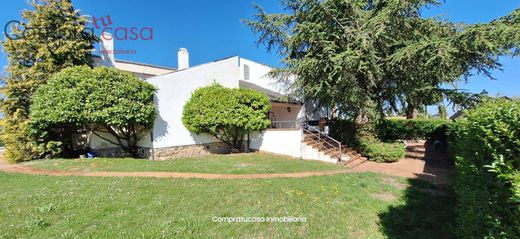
[5, 167]
[419, 163]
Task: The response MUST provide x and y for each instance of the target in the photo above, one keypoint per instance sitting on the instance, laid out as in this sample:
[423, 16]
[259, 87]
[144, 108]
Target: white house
[170, 139]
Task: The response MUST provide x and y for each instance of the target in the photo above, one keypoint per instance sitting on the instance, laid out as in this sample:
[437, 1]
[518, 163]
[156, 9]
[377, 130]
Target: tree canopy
[227, 114]
[364, 56]
[100, 100]
[54, 36]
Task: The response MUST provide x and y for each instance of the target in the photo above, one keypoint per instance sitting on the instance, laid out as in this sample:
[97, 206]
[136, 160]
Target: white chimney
[107, 49]
[183, 57]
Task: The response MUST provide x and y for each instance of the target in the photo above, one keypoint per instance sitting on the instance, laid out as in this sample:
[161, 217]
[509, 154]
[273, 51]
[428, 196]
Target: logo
[14, 24]
[15, 30]
[121, 33]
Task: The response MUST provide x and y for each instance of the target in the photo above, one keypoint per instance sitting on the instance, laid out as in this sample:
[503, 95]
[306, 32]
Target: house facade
[170, 138]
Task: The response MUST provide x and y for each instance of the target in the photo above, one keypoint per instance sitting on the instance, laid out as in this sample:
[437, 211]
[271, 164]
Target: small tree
[227, 114]
[121, 105]
[100, 100]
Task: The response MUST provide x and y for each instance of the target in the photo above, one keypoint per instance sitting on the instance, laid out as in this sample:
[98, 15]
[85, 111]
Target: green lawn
[341, 206]
[229, 164]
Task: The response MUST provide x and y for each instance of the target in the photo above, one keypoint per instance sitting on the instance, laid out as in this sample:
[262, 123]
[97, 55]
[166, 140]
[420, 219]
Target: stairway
[355, 159]
[318, 146]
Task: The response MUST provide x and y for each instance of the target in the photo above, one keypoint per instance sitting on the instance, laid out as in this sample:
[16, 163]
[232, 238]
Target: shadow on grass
[428, 212]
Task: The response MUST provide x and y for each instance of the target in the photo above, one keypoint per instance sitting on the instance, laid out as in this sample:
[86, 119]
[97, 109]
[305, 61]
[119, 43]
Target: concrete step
[356, 162]
[325, 148]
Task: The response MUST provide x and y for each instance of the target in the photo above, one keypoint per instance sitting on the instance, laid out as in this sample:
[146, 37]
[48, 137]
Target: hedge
[394, 129]
[374, 149]
[487, 157]
[344, 131]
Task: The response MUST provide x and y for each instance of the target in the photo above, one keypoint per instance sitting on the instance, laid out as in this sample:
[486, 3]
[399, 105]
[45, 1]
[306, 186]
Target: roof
[141, 64]
[273, 96]
[457, 115]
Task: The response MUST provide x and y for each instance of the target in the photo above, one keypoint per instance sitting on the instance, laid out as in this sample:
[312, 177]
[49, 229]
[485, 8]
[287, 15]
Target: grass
[341, 206]
[228, 164]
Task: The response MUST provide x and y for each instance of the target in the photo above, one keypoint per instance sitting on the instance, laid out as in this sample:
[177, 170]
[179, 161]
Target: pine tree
[363, 56]
[55, 36]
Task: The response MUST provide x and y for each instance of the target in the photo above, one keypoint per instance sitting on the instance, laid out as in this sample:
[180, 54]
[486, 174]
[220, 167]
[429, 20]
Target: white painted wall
[282, 114]
[285, 142]
[175, 89]
[259, 76]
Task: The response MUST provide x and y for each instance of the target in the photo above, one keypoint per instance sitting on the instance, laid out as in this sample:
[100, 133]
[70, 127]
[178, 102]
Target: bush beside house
[99, 100]
[487, 149]
[228, 114]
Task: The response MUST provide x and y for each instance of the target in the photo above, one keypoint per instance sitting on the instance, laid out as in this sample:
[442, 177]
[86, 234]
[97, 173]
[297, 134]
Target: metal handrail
[320, 135]
[325, 136]
[281, 124]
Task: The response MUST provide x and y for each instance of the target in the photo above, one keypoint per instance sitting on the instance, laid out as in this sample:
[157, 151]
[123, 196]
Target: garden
[348, 205]
[365, 60]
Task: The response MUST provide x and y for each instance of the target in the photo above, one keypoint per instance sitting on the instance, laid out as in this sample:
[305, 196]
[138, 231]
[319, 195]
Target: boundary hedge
[487, 157]
[394, 129]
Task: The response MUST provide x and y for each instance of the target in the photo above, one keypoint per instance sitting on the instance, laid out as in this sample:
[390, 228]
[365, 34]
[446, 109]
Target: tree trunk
[334, 112]
[413, 114]
[361, 117]
[362, 122]
[412, 111]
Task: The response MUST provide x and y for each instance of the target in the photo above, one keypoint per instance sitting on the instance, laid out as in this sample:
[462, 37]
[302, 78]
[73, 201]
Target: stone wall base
[185, 151]
[120, 153]
[188, 151]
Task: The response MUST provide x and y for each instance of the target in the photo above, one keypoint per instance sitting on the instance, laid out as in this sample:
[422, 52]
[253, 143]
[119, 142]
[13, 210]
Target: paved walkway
[419, 163]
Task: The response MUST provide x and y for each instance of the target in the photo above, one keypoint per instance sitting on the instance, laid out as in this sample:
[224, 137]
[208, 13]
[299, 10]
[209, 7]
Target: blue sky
[213, 30]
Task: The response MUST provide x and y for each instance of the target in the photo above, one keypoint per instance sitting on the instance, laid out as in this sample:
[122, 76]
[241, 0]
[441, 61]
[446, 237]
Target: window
[246, 72]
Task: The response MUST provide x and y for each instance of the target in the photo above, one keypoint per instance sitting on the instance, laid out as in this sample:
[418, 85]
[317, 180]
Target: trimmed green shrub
[226, 113]
[344, 131]
[100, 100]
[394, 129]
[381, 152]
[487, 149]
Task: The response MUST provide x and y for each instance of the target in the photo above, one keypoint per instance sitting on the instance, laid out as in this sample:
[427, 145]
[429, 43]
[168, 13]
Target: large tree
[362, 56]
[53, 36]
